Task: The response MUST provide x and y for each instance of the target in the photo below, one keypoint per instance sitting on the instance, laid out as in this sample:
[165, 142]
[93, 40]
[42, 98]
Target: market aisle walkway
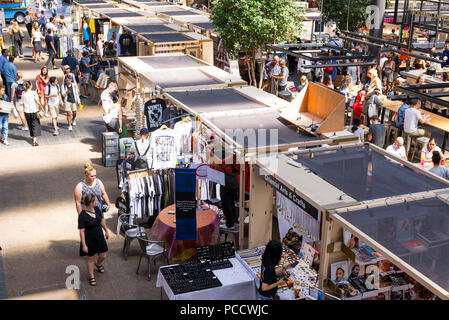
[38, 221]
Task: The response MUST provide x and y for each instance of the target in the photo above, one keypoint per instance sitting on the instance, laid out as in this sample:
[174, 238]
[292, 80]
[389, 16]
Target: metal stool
[419, 145]
[234, 231]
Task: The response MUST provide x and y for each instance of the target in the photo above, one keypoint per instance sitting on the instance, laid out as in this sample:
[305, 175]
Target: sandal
[100, 268]
[92, 282]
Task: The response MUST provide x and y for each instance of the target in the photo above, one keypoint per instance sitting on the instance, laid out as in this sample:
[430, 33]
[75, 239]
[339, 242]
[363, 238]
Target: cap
[69, 52]
[144, 131]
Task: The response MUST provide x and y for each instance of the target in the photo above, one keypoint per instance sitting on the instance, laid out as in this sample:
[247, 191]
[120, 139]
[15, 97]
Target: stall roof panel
[148, 28]
[89, 1]
[166, 8]
[215, 100]
[366, 174]
[251, 123]
[179, 78]
[180, 13]
[124, 14]
[204, 25]
[415, 231]
[94, 6]
[153, 3]
[132, 21]
[171, 61]
[165, 37]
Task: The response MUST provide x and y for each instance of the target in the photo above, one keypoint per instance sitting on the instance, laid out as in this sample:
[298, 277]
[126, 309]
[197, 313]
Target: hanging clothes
[153, 110]
[164, 146]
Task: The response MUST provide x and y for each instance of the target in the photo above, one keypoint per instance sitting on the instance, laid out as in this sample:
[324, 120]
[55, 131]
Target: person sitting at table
[445, 55]
[376, 133]
[399, 116]
[397, 148]
[439, 170]
[302, 83]
[412, 117]
[374, 83]
[420, 79]
[427, 152]
[356, 130]
[268, 272]
[419, 64]
[357, 107]
[327, 80]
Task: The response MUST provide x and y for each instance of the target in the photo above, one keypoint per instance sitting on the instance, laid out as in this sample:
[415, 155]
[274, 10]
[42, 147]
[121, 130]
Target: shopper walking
[269, 273]
[71, 98]
[49, 41]
[4, 118]
[42, 80]
[28, 23]
[72, 62]
[91, 185]
[85, 72]
[3, 61]
[54, 100]
[17, 38]
[91, 224]
[17, 89]
[10, 71]
[36, 41]
[31, 106]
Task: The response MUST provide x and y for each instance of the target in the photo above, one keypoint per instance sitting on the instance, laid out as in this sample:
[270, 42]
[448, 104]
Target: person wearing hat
[73, 64]
[142, 146]
[303, 82]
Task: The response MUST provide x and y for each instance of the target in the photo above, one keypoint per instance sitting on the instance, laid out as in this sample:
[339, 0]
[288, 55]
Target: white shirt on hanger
[164, 146]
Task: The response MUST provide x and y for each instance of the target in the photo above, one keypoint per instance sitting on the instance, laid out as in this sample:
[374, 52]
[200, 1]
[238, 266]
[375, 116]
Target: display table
[237, 284]
[164, 228]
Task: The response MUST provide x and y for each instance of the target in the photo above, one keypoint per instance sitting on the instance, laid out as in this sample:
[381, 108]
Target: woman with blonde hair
[36, 41]
[91, 185]
[100, 45]
[17, 39]
[31, 107]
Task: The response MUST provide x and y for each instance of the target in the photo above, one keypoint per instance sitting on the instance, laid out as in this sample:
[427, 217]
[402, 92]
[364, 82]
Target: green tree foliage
[337, 11]
[248, 25]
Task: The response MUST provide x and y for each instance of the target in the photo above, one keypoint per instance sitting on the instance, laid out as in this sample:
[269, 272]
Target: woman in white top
[375, 82]
[36, 41]
[426, 153]
[100, 45]
[31, 107]
[112, 112]
[356, 130]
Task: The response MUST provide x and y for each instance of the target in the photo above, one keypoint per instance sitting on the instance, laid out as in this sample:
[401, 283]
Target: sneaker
[47, 115]
[56, 132]
[5, 142]
[74, 123]
[35, 144]
[70, 128]
[24, 128]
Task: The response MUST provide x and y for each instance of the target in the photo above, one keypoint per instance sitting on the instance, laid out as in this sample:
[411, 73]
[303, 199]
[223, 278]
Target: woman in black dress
[90, 223]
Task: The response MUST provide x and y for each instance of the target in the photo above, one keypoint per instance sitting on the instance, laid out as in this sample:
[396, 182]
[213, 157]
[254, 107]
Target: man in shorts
[85, 72]
[69, 92]
[54, 100]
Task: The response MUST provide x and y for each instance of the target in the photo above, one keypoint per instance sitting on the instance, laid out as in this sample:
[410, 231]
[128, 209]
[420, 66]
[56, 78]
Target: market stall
[185, 73]
[311, 183]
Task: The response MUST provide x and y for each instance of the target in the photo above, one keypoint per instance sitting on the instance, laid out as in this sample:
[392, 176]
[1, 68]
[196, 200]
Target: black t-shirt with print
[153, 110]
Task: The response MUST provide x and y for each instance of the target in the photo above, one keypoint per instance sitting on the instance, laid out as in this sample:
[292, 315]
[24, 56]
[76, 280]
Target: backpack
[48, 89]
[19, 90]
[141, 161]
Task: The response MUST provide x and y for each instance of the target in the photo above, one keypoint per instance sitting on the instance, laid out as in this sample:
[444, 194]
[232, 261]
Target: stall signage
[295, 198]
[431, 15]
[185, 193]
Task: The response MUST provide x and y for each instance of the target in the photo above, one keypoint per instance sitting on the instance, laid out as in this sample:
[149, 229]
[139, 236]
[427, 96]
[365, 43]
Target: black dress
[93, 233]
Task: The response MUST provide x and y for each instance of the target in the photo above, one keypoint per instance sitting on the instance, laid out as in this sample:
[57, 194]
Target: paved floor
[38, 221]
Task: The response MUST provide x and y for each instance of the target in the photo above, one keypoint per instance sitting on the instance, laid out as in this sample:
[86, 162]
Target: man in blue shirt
[10, 71]
[3, 60]
[445, 55]
[73, 63]
[401, 115]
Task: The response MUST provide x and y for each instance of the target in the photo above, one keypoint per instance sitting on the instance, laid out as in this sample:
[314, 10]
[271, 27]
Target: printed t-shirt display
[164, 146]
[153, 110]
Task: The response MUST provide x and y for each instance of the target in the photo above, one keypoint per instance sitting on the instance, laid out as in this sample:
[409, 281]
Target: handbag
[15, 113]
[40, 114]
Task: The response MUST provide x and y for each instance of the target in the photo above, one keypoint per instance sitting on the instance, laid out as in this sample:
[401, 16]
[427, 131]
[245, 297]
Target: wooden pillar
[326, 231]
[260, 210]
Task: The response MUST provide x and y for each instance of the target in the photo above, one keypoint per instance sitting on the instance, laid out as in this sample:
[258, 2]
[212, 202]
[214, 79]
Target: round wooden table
[164, 228]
